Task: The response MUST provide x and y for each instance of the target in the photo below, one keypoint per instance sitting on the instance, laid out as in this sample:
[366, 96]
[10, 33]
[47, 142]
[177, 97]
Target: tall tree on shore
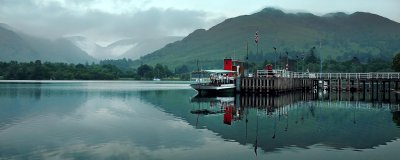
[145, 71]
[312, 58]
[396, 62]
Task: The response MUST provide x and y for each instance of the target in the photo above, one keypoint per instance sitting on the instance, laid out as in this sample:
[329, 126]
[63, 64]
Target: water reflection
[302, 120]
[78, 121]
[139, 120]
[396, 117]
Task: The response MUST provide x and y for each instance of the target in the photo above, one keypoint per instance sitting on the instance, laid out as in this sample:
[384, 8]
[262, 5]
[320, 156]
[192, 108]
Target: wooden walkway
[284, 81]
[346, 100]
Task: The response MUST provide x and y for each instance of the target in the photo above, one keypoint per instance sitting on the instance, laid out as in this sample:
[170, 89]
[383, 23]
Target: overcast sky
[105, 21]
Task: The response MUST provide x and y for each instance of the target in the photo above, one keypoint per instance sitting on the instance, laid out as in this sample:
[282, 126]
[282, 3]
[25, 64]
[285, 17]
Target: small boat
[218, 81]
[156, 79]
[205, 112]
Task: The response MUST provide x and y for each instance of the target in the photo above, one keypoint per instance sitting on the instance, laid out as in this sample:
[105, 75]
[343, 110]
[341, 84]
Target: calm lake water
[165, 120]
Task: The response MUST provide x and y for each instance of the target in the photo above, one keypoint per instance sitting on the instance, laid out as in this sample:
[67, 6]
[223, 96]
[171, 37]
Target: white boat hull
[210, 88]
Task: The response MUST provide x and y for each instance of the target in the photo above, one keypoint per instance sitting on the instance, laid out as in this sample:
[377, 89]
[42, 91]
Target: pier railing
[308, 75]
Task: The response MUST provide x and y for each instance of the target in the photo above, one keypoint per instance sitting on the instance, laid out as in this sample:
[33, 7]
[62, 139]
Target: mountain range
[132, 48]
[20, 46]
[336, 36]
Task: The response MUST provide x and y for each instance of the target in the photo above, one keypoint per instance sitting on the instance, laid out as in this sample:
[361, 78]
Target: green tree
[60, 71]
[312, 58]
[182, 69]
[10, 73]
[38, 70]
[159, 71]
[396, 62]
[145, 71]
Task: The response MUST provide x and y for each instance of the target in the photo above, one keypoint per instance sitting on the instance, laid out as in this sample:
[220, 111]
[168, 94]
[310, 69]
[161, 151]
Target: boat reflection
[300, 120]
[218, 105]
[396, 118]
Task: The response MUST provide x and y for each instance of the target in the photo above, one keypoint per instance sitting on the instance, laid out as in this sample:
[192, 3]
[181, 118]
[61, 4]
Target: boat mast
[198, 71]
[247, 59]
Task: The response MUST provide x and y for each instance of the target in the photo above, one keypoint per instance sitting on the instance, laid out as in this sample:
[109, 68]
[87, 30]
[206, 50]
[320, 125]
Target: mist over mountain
[338, 36]
[13, 47]
[19, 46]
[86, 45]
[132, 48]
[341, 37]
[144, 46]
[22, 47]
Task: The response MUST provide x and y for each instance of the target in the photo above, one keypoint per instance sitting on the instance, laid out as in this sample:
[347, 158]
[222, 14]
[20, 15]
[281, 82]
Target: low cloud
[55, 19]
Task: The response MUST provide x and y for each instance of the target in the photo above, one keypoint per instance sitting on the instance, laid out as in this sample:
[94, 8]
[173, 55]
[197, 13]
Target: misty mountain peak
[195, 33]
[336, 14]
[76, 38]
[372, 19]
[290, 31]
[5, 26]
[271, 10]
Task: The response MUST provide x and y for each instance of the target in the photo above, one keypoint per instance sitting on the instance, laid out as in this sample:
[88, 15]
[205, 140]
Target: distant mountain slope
[132, 48]
[341, 36]
[87, 45]
[60, 50]
[23, 47]
[13, 47]
[144, 46]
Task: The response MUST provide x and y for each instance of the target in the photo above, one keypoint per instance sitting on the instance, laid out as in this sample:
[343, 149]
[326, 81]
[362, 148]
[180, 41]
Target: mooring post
[389, 90]
[396, 88]
[372, 87]
[369, 86]
[384, 86]
[372, 90]
[363, 86]
[377, 89]
[363, 91]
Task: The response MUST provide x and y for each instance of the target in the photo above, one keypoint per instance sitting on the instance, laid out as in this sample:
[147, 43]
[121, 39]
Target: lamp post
[246, 70]
[297, 63]
[320, 65]
[287, 61]
[320, 57]
[275, 56]
[303, 63]
[280, 60]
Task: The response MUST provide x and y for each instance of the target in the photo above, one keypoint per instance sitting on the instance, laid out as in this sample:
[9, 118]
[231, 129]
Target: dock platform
[285, 81]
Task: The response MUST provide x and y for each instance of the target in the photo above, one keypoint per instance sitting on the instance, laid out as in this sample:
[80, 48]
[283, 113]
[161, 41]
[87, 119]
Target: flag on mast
[247, 51]
[256, 37]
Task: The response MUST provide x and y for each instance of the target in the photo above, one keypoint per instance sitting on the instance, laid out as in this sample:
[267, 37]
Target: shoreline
[78, 81]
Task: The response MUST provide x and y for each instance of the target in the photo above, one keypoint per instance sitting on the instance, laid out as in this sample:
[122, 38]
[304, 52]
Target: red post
[228, 65]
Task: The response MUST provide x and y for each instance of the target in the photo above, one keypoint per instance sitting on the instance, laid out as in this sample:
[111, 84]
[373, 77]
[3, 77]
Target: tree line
[310, 62]
[118, 69]
[37, 70]
[148, 72]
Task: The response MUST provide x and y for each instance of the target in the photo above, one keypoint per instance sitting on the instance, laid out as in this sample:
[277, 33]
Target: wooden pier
[285, 81]
[347, 100]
